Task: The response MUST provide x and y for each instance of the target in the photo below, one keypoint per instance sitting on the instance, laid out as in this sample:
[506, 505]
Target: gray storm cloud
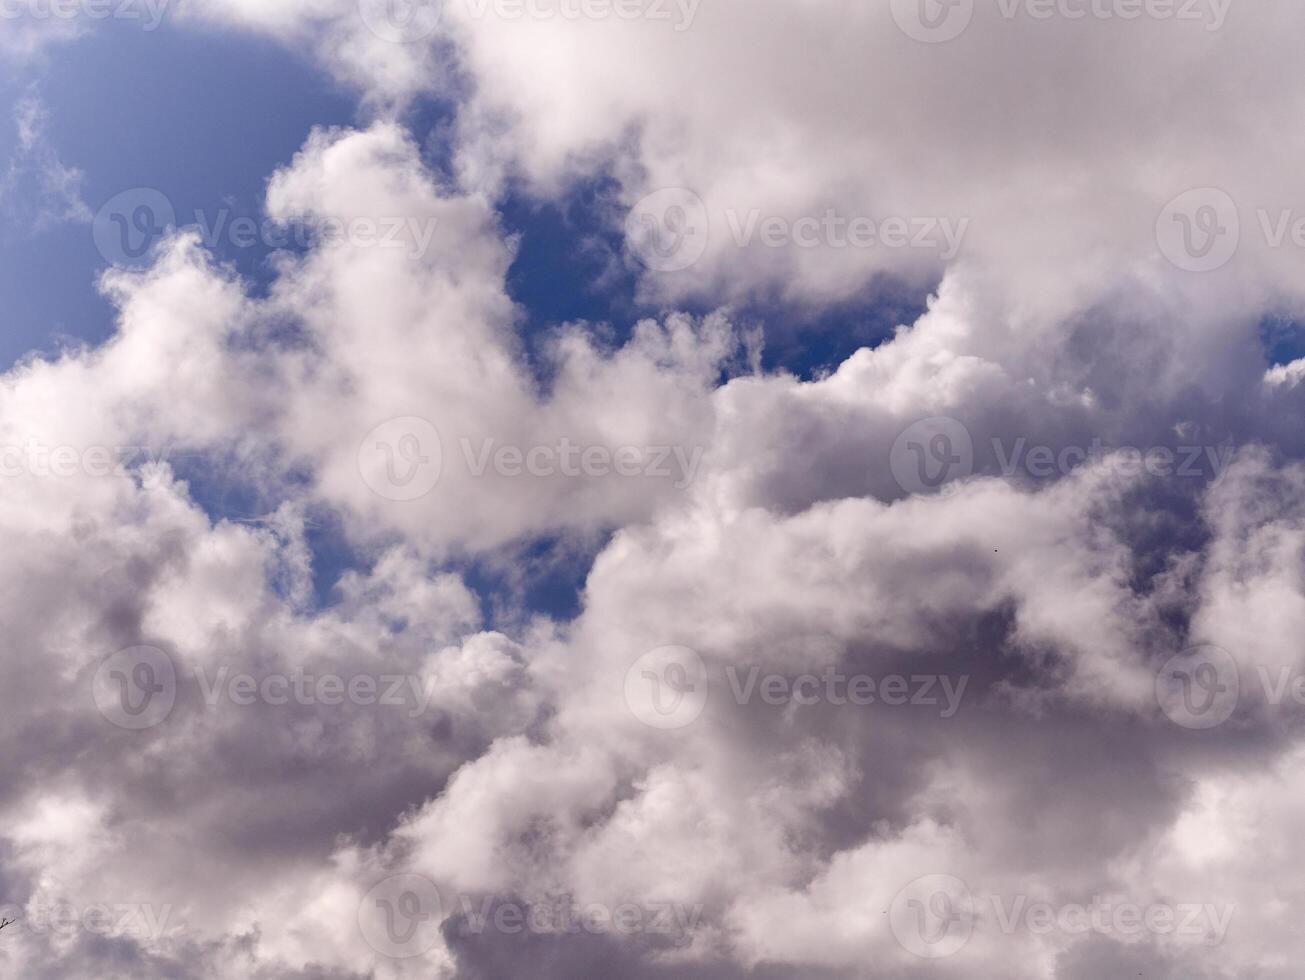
[974, 657]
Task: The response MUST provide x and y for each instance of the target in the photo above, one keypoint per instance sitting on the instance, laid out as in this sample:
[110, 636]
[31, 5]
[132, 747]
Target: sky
[195, 139]
[651, 488]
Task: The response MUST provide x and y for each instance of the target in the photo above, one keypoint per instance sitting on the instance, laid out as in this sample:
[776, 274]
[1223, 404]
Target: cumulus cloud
[1041, 143]
[972, 657]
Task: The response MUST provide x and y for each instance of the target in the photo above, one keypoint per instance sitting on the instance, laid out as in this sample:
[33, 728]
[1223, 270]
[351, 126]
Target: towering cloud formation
[972, 658]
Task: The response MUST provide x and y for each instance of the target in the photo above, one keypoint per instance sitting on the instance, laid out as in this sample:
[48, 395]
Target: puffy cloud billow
[976, 655]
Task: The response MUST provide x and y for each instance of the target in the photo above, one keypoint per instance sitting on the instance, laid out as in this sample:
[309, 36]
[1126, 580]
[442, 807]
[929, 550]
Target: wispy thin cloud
[39, 190]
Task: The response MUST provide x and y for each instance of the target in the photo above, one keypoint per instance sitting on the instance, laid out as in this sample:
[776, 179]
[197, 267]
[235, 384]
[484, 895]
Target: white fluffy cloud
[1050, 137]
[765, 823]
